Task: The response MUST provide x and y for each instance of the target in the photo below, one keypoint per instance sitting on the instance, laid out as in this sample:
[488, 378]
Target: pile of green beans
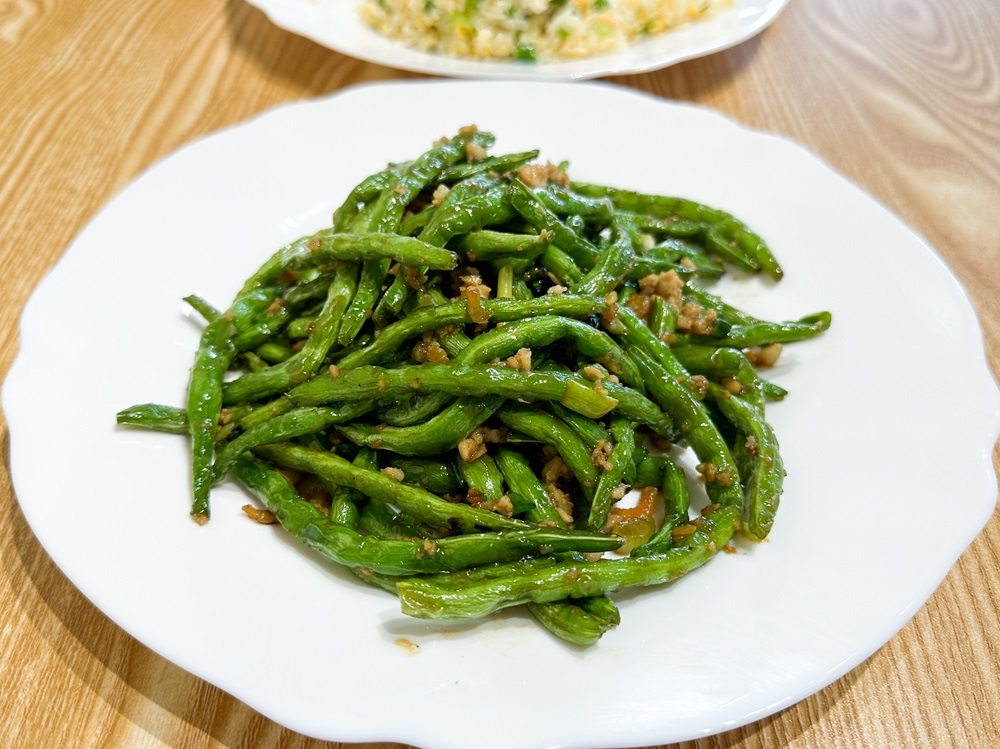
[451, 388]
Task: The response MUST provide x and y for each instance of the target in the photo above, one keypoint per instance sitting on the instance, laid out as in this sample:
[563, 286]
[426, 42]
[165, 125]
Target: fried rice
[529, 30]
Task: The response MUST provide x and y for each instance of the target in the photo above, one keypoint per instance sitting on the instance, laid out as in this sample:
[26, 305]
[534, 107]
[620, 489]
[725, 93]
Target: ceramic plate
[336, 24]
[873, 435]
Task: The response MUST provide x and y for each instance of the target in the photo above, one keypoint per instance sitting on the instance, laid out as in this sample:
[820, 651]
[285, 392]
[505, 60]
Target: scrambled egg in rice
[529, 29]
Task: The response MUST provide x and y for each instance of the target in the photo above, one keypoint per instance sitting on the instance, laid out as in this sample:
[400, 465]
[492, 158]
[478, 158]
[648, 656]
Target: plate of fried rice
[525, 39]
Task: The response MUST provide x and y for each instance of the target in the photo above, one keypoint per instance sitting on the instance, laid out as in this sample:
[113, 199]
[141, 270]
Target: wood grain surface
[901, 96]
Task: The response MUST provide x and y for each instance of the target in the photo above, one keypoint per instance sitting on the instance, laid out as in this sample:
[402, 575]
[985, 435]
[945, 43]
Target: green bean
[311, 287]
[343, 511]
[171, 419]
[468, 206]
[715, 242]
[366, 191]
[676, 506]
[700, 432]
[520, 289]
[572, 622]
[441, 433]
[263, 412]
[422, 173]
[401, 557]
[767, 472]
[432, 318]
[373, 274]
[204, 404]
[521, 480]
[726, 311]
[747, 330]
[588, 430]
[714, 363]
[649, 469]
[301, 327]
[485, 244]
[325, 329]
[297, 423]
[433, 475]
[637, 336]
[272, 352]
[496, 164]
[602, 607]
[303, 364]
[727, 234]
[404, 250]
[365, 459]
[256, 316]
[762, 334]
[493, 571]
[676, 255]
[483, 476]
[416, 410]
[563, 202]
[384, 521]
[610, 268]
[399, 193]
[562, 266]
[643, 266]
[414, 501]
[261, 332]
[641, 409]
[326, 247]
[620, 459]
[393, 298]
[367, 383]
[582, 621]
[413, 224]
[453, 337]
[569, 622]
[202, 307]
[156, 417]
[261, 320]
[662, 318]
[701, 264]
[771, 391]
[544, 330]
[253, 361]
[440, 597]
[552, 431]
[670, 227]
[486, 483]
[505, 281]
[661, 370]
[525, 202]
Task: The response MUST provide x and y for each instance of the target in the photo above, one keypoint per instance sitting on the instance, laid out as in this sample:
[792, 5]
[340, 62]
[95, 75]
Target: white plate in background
[889, 463]
[337, 25]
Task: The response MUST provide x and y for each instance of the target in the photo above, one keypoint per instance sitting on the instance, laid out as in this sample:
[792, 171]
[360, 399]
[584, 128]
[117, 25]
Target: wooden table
[902, 96]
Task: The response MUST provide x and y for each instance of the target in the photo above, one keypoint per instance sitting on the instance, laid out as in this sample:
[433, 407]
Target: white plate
[335, 24]
[887, 448]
